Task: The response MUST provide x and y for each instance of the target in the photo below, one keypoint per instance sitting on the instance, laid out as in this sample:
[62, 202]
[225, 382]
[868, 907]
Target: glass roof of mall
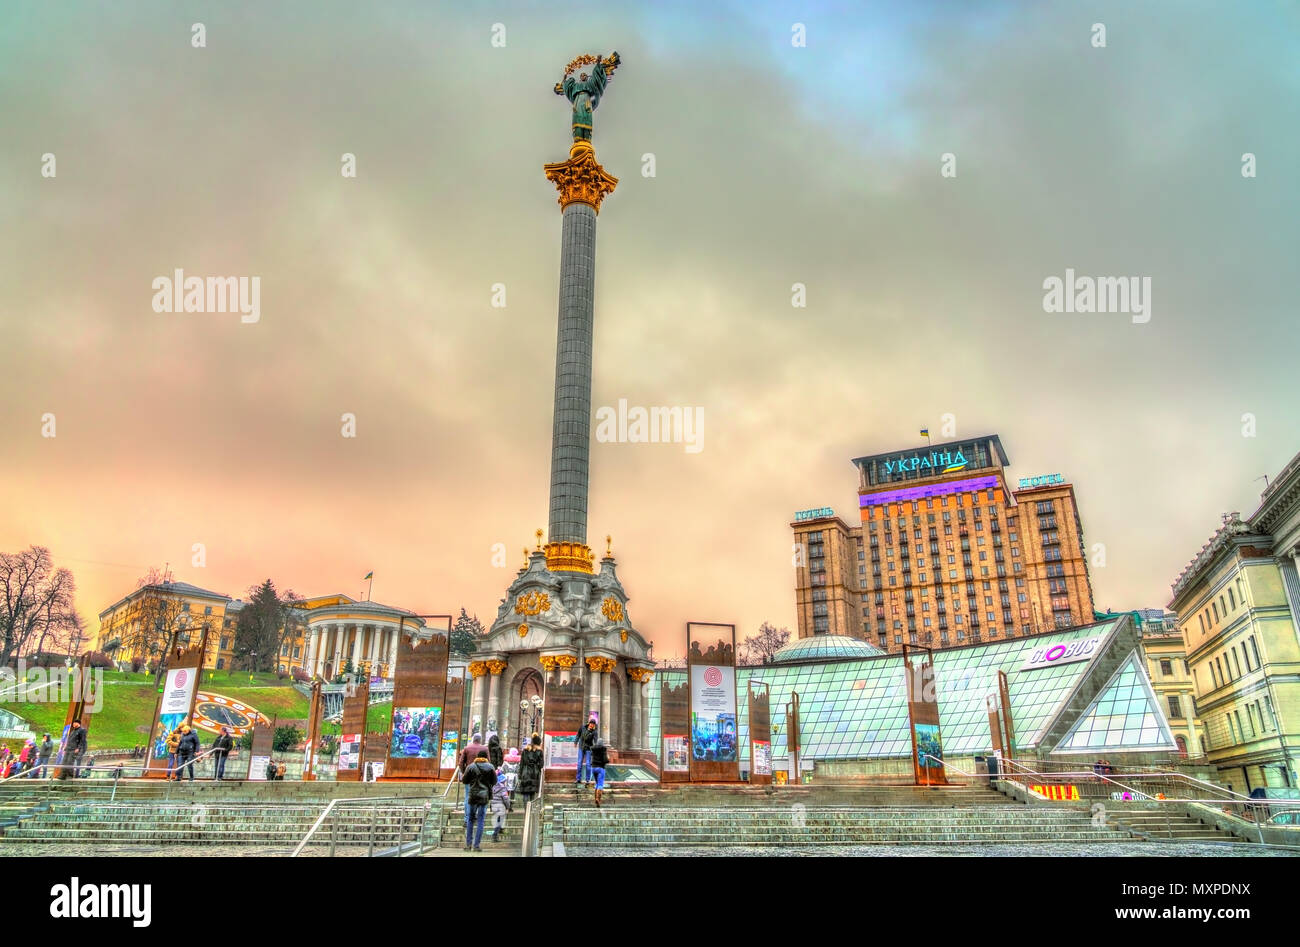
[856, 707]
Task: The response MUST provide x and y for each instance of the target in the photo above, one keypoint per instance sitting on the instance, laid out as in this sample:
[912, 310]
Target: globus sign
[1067, 652]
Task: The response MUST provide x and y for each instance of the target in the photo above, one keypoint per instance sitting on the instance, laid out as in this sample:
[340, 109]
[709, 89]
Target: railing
[533, 814]
[398, 850]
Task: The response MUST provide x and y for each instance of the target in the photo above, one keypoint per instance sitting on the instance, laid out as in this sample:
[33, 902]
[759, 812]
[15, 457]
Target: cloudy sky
[775, 164]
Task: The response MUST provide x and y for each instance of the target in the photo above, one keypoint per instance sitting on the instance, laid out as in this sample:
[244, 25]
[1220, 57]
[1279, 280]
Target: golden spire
[525, 558]
[609, 548]
[539, 540]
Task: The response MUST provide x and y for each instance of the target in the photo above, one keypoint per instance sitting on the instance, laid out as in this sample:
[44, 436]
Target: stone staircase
[225, 814]
[1168, 824]
[685, 794]
[638, 827]
[452, 833]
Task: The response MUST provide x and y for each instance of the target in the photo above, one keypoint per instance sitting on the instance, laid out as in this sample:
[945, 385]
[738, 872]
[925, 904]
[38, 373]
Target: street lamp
[530, 712]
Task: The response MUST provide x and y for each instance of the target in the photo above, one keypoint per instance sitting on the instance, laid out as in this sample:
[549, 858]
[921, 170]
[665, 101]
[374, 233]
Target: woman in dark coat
[530, 769]
[495, 754]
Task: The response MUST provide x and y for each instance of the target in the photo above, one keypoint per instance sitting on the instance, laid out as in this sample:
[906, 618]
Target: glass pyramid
[1124, 716]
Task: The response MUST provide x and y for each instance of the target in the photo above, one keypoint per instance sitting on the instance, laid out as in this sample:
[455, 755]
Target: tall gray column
[635, 732]
[604, 706]
[571, 428]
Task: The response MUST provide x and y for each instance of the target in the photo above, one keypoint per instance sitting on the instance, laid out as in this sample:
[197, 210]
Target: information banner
[676, 753]
[561, 750]
[257, 767]
[349, 751]
[762, 760]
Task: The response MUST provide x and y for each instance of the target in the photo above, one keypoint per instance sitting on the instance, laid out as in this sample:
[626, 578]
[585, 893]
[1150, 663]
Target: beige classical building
[1171, 679]
[1237, 603]
[945, 553]
[341, 630]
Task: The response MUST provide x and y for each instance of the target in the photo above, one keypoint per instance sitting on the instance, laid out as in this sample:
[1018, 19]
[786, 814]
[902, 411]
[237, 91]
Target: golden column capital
[477, 668]
[581, 179]
[601, 665]
[640, 675]
[566, 660]
[495, 667]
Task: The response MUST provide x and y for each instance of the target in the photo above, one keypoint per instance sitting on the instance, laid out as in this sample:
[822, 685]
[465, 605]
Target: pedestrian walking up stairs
[799, 825]
[452, 834]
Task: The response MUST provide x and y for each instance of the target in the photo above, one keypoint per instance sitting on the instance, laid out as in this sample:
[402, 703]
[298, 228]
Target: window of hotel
[893, 580]
[1215, 607]
[1175, 707]
[1214, 678]
[1255, 650]
[1235, 661]
[1024, 612]
[898, 639]
[1167, 668]
[1237, 714]
[1015, 567]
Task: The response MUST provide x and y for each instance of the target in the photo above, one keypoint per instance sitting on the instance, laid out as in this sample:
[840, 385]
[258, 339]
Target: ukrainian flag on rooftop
[368, 575]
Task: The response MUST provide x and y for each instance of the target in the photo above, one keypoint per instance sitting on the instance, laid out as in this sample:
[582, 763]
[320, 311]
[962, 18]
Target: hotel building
[946, 553]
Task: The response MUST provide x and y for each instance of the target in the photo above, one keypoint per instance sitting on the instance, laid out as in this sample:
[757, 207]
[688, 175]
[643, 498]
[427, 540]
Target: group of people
[1102, 768]
[182, 747]
[33, 760]
[593, 757]
[492, 777]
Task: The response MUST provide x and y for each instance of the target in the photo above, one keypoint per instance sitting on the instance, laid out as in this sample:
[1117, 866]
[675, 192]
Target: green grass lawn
[129, 701]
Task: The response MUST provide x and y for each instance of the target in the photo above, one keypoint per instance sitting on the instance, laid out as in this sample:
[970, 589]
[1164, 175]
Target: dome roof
[825, 648]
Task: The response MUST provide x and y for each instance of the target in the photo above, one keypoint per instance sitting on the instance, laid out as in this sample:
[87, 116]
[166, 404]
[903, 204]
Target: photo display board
[760, 734]
[711, 676]
[419, 695]
[923, 713]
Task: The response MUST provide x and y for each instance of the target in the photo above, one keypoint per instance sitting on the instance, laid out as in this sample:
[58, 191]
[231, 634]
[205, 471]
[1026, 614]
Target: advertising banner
[676, 750]
[349, 751]
[561, 750]
[762, 761]
[416, 732]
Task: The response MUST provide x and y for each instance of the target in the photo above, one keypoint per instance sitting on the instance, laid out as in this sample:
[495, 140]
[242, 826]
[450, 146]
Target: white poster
[762, 758]
[676, 759]
[713, 689]
[257, 768]
[178, 690]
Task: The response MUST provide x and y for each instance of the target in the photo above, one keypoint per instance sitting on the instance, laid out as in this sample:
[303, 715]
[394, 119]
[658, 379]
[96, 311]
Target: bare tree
[156, 620]
[37, 611]
[759, 648]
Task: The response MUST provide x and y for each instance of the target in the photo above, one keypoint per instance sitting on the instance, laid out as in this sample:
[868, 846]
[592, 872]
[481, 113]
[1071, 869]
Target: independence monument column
[582, 184]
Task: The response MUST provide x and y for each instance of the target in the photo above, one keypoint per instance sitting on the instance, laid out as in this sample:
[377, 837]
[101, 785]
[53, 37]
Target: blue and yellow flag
[368, 575]
[925, 432]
